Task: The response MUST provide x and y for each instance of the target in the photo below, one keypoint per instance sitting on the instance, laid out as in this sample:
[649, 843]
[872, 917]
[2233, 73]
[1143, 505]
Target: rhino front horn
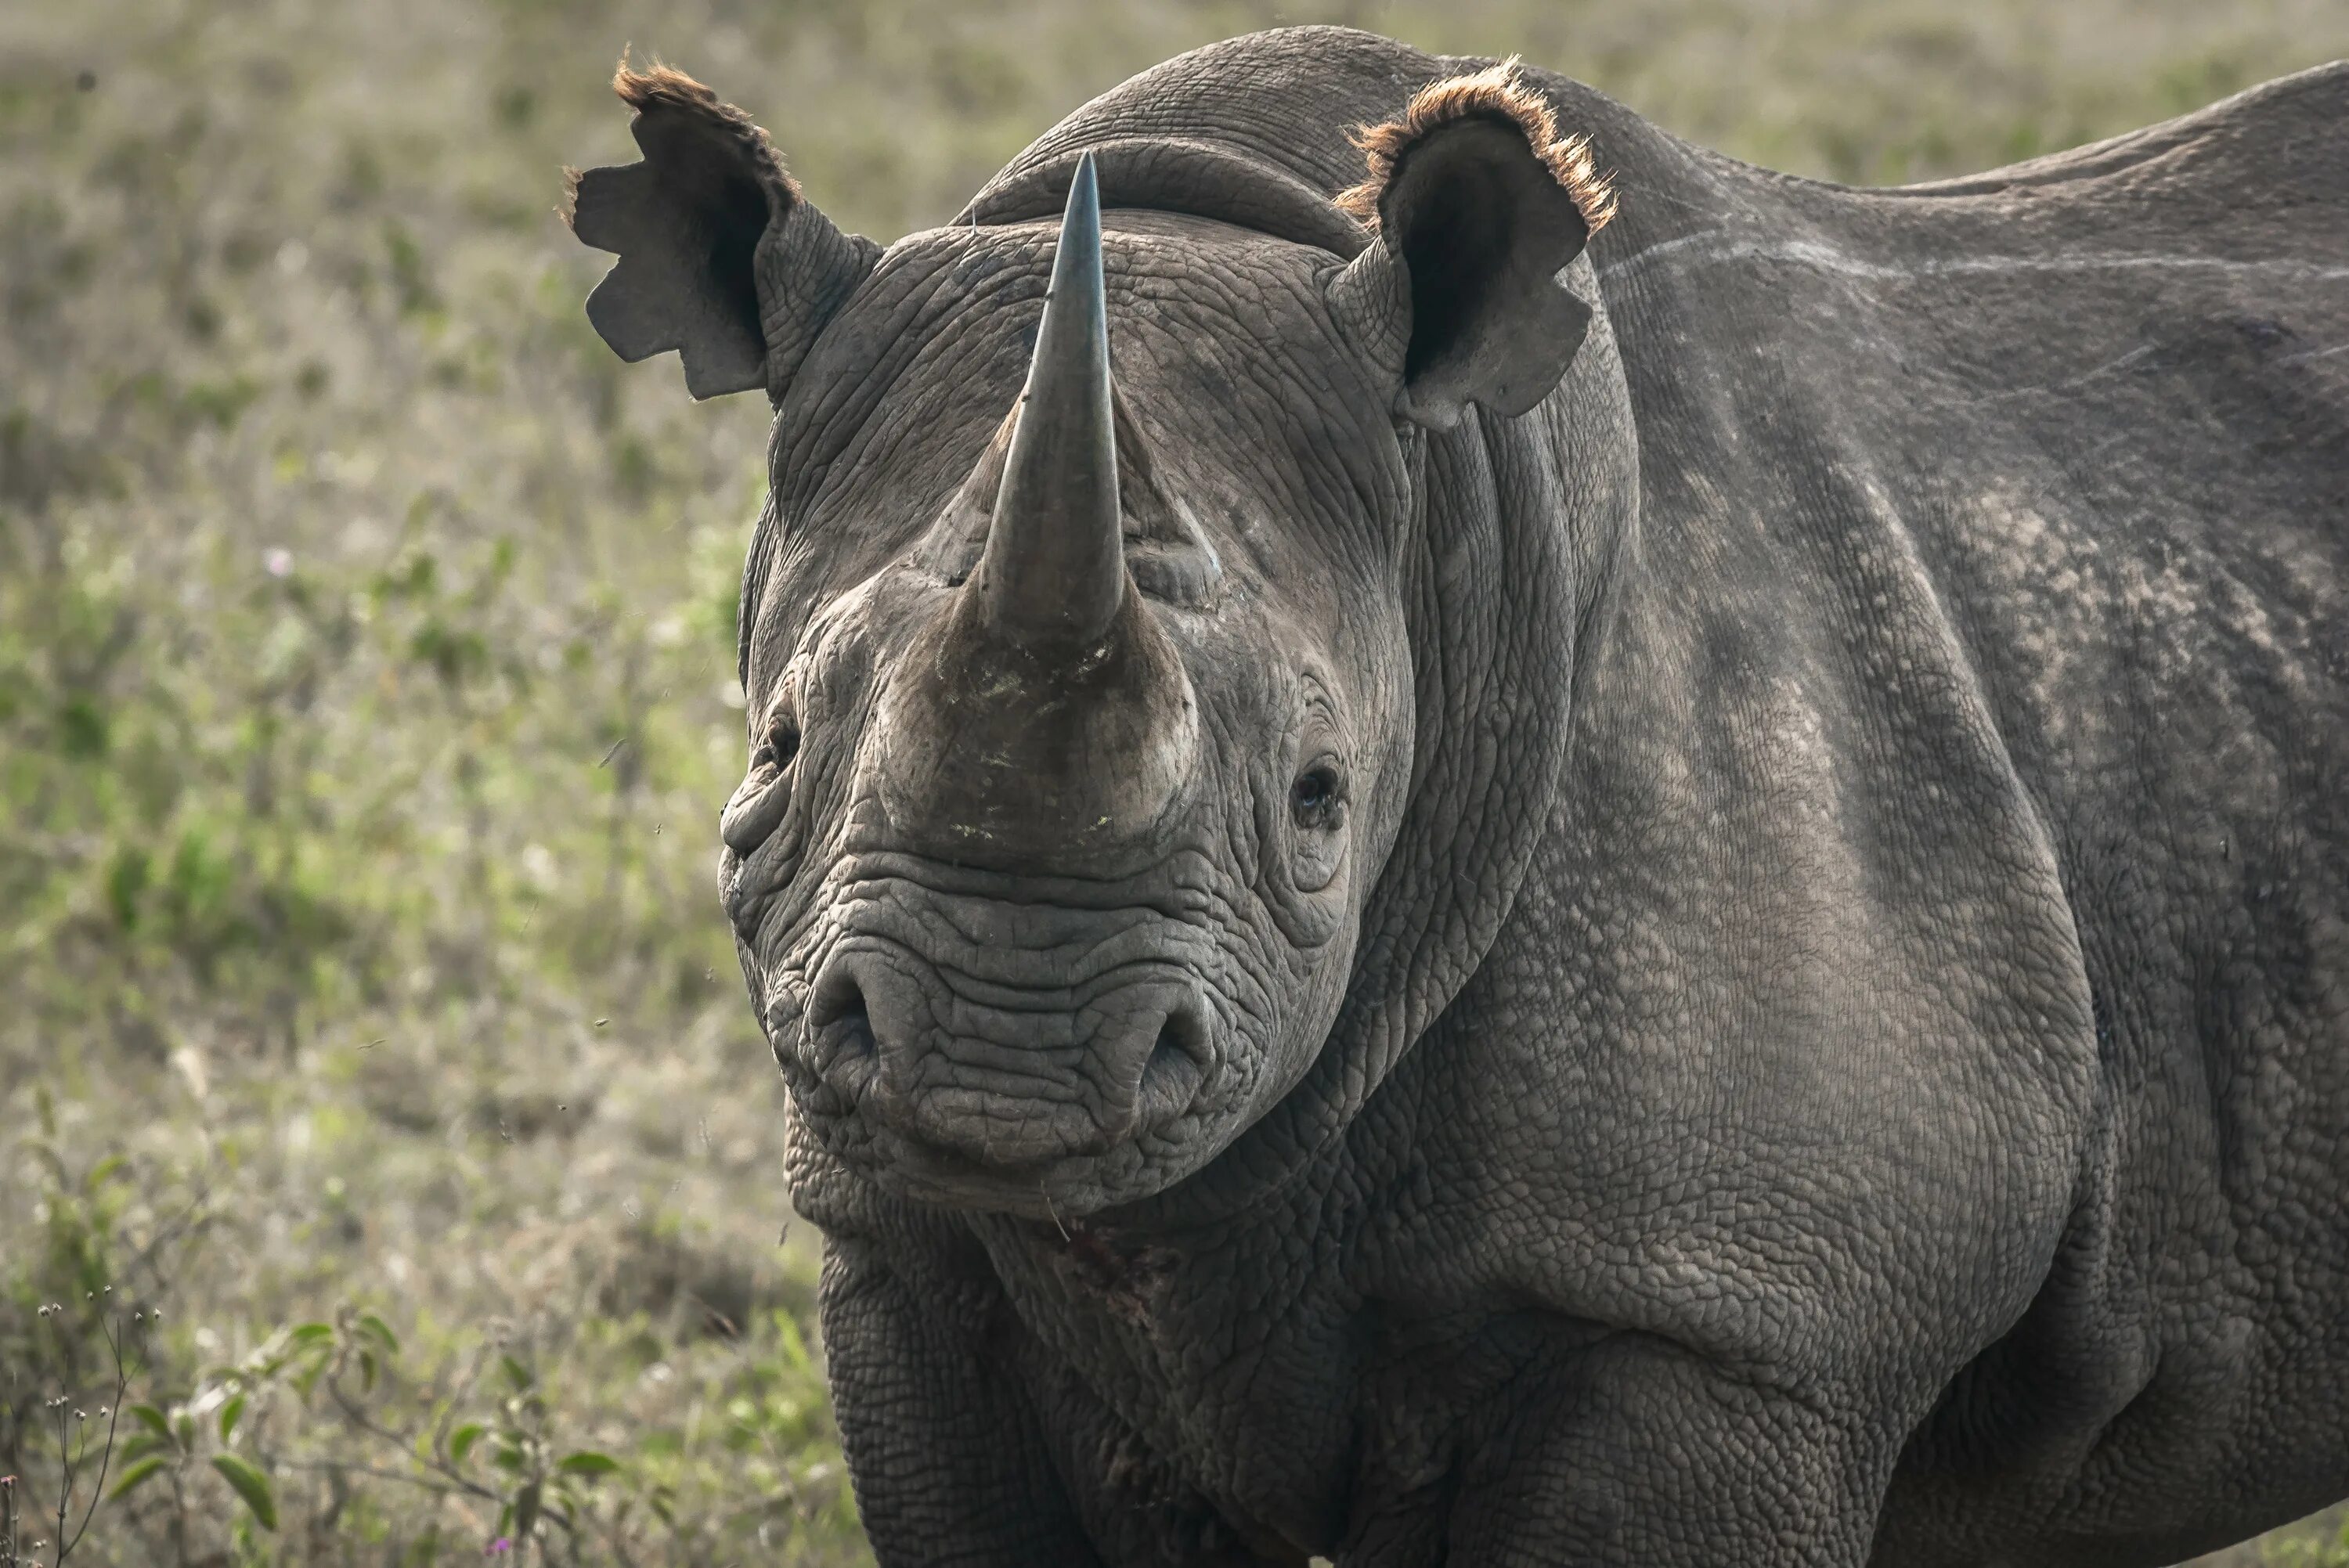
[1054, 566]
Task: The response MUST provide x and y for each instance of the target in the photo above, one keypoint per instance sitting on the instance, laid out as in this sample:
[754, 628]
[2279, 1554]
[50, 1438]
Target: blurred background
[375, 1071]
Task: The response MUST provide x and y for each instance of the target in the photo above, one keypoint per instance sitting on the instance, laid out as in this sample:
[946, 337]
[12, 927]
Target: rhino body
[1834, 1045]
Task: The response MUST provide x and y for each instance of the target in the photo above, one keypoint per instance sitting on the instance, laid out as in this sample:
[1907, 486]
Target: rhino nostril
[1176, 1066]
[838, 1016]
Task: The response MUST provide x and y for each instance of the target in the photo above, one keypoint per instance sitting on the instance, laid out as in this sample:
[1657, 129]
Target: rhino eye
[1315, 799]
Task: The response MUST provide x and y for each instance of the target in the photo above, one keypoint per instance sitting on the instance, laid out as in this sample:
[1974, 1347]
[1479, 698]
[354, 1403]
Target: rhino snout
[1008, 1081]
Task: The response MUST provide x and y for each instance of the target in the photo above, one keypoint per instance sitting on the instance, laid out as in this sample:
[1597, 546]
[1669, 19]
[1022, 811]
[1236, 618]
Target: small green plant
[335, 1400]
[335, 1371]
[70, 1348]
[79, 1452]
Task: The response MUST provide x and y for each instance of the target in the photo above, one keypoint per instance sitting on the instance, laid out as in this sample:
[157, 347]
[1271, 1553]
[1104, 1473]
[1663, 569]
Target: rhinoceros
[1473, 838]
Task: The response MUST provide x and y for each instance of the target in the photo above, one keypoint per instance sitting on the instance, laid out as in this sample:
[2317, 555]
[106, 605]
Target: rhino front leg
[1638, 1454]
[942, 1438]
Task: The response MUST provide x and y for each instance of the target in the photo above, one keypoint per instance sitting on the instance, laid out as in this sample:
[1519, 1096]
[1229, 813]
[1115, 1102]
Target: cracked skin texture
[1828, 1039]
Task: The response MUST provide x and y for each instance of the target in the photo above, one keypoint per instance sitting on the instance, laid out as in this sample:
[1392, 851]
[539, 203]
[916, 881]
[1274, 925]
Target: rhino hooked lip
[1002, 1078]
[981, 1038]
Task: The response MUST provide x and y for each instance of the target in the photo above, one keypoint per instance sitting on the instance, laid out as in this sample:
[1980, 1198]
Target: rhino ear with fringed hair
[1476, 201]
[721, 257]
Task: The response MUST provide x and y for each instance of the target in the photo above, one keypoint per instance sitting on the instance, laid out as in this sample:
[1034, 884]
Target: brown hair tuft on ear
[1493, 93]
[664, 86]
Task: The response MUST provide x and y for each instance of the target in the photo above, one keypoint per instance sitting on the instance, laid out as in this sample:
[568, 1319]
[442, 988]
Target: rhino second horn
[1054, 567]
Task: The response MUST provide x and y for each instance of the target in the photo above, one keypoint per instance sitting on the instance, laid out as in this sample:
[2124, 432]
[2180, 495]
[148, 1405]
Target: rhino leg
[1637, 1453]
[942, 1435]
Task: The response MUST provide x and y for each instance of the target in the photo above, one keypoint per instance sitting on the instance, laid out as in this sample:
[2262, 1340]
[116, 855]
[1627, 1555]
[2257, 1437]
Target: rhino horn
[1053, 569]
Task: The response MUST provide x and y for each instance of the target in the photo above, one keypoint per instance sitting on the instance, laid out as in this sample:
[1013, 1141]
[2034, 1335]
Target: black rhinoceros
[1442, 882]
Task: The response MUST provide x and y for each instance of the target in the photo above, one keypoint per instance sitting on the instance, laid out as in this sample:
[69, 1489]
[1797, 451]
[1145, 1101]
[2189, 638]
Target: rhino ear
[722, 258]
[1476, 203]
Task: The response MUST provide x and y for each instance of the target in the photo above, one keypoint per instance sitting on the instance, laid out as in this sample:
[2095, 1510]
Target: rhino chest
[1211, 1390]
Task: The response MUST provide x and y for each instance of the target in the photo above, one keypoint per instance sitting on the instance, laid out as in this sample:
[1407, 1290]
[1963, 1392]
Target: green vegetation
[374, 1076]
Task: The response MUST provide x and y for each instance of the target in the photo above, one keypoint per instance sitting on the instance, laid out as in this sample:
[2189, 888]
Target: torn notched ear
[722, 258]
[1477, 203]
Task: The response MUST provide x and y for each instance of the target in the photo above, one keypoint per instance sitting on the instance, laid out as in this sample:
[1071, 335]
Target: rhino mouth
[1060, 1056]
[1011, 1087]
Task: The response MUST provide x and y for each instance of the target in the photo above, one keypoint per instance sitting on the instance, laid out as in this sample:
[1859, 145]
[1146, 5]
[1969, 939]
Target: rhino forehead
[1224, 348]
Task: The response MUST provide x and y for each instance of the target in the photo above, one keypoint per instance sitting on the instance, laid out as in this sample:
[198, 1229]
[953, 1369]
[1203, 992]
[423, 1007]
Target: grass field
[373, 1062]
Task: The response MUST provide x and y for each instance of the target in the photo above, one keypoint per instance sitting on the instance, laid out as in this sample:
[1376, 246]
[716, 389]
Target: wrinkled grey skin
[1824, 1036]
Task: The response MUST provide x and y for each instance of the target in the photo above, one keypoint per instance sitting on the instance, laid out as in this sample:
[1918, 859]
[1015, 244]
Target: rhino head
[1078, 636]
